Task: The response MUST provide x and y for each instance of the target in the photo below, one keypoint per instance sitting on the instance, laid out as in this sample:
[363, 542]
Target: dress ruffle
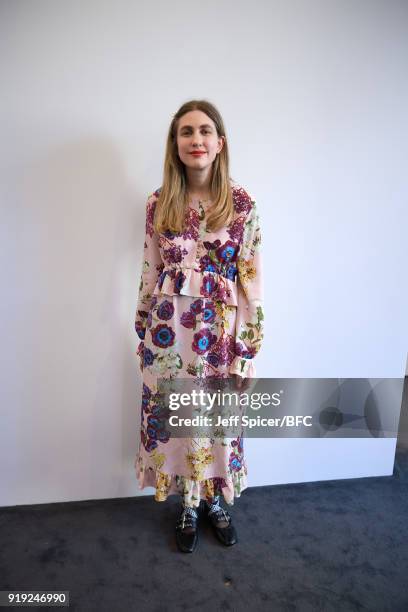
[192, 491]
[183, 280]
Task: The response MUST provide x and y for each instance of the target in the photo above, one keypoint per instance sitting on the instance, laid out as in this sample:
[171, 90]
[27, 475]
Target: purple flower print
[146, 394]
[236, 230]
[174, 254]
[179, 281]
[231, 272]
[203, 341]
[188, 319]
[145, 405]
[225, 350]
[208, 285]
[153, 424]
[213, 359]
[148, 357]
[209, 313]
[242, 201]
[148, 443]
[163, 335]
[239, 443]
[150, 218]
[196, 306]
[207, 264]
[205, 261]
[235, 462]
[219, 483]
[222, 293]
[192, 225]
[165, 311]
[230, 349]
[239, 348]
[227, 252]
[161, 279]
[163, 435]
[157, 410]
[140, 330]
[243, 351]
[210, 246]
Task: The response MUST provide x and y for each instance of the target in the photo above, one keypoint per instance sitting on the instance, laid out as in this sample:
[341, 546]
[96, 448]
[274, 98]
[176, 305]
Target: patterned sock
[214, 506]
[190, 510]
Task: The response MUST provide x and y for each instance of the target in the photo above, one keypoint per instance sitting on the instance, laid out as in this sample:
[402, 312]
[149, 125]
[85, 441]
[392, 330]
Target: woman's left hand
[241, 383]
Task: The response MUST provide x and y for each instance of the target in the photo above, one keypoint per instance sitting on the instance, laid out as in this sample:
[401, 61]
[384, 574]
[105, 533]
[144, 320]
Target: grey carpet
[333, 545]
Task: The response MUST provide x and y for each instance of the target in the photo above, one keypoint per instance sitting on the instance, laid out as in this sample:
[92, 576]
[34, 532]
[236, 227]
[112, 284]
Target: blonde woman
[199, 314]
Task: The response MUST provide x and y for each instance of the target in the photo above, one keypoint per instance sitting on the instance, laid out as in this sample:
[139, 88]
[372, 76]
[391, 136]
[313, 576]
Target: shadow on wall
[402, 441]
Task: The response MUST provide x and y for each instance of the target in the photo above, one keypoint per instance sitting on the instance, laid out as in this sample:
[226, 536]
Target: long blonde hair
[171, 205]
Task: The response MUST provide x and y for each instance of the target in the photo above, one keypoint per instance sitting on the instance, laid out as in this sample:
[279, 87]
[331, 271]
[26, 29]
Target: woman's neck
[199, 196]
[198, 184]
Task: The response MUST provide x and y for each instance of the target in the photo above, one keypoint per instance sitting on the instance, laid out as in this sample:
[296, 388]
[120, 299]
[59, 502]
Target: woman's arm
[152, 266]
[250, 317]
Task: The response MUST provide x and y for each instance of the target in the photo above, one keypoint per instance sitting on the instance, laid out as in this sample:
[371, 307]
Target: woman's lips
[198, 153]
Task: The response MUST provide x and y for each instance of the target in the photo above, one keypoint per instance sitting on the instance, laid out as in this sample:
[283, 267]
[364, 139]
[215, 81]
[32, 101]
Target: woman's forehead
[195, 118]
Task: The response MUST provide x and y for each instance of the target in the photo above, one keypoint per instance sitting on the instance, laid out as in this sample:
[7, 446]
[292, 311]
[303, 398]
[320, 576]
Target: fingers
[241, 383]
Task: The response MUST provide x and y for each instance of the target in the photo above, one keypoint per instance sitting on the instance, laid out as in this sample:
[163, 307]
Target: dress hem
[192, 491]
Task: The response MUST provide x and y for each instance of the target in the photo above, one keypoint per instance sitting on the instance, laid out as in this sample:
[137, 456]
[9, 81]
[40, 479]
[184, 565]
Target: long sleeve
[152, 266]
[250, 309]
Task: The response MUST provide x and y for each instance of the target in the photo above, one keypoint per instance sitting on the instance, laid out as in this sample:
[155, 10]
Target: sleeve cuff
[140, 327]
[243, 367]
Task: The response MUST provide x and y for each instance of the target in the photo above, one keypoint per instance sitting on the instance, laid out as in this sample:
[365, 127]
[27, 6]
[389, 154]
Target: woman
[199, 314]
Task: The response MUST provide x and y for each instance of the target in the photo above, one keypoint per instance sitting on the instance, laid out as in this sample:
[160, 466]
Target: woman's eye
[189, 133]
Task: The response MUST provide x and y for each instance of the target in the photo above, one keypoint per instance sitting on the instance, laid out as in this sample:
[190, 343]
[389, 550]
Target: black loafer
[227, 535]
[187, 541]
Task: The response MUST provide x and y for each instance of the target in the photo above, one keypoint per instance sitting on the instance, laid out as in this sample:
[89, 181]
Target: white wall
[314, 98]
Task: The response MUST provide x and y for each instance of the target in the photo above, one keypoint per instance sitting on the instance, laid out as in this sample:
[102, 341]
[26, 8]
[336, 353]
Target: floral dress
[199, 314]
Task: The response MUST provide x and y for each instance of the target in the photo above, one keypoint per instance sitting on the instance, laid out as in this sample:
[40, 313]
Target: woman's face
[197, 132]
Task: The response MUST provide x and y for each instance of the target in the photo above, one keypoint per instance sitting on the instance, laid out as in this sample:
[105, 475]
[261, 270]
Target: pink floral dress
[199, 314]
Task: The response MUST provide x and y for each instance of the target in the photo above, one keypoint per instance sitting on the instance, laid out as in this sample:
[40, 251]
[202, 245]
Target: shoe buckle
[186, 515]
[223, 515]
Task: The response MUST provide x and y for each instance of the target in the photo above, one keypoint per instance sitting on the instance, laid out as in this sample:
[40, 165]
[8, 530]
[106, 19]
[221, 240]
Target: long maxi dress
[199, 314]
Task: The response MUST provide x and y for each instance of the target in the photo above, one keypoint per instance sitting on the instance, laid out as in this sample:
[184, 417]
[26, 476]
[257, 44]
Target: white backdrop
[314, 98]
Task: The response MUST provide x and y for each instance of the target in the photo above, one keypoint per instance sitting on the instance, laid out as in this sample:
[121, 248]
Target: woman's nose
[196, 137]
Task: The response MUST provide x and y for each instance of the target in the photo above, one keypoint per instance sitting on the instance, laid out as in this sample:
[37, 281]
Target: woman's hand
[240, 383]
